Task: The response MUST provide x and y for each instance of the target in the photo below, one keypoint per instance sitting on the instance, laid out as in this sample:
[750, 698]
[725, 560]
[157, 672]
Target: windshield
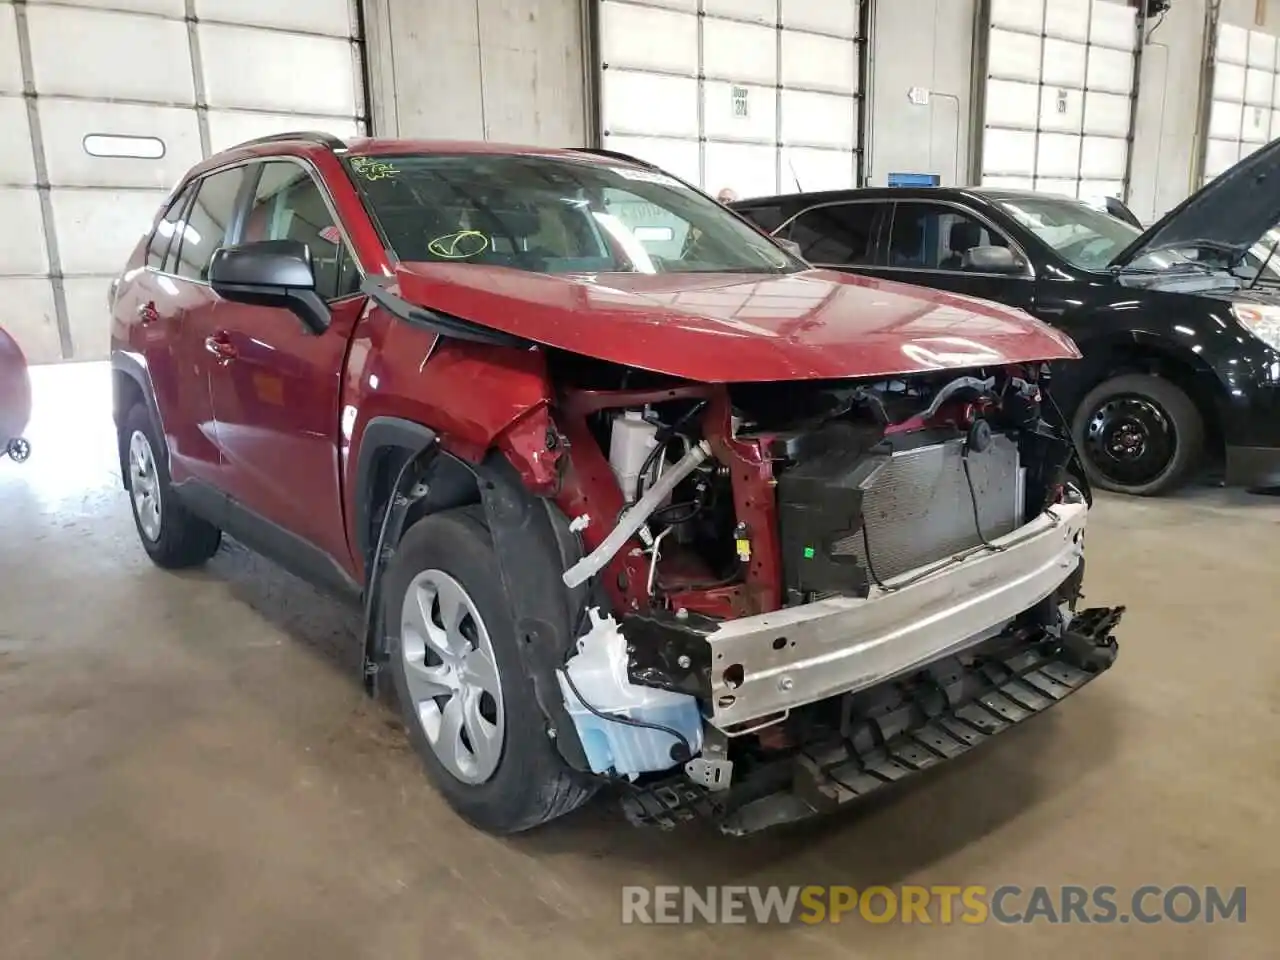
[554, 215]
[1082, 236]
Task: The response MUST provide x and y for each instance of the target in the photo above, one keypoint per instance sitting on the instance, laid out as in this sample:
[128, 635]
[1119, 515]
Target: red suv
[628, 492]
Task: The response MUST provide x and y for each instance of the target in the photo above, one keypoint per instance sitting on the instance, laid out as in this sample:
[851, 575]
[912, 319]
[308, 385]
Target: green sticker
[371, 168]
[808, 553]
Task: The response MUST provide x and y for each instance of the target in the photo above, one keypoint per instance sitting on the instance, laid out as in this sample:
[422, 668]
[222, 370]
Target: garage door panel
[1068, 19]
[1219, 156]
[98, 229]
[17, 165]
[1113, 25]
[65, 124]
[1256, 125]
[1065, 188]
[230, 127]
[680, 157]
[648, 39]
[1009, 152]
[1009, 102]
[259, 69]
[167, 8]
[820, 63]
[836, 17]
[1025, 16]
[751, 168]
[721, 112]
[1065, 63]
[1262, 50]
[22, 241]
[1101, 188]
[330, 17]
[761, 11]
[663, 104]
[1258, 86]
[1229, 82]
[1225, 120]
[1107, 113]
[1014, 56]
[87, 314]
[1233, 44]
[818, 119]
[739, 51]
[1058, 155]
[818, 169]
[91, 53]
[10, 59]
[1060, 110]
[28, 314]
[1103, 158]
[1110, 70]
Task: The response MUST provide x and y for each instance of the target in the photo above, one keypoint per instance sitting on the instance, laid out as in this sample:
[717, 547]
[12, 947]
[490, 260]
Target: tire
[1154, 424]
[172, 535]
[521, 783]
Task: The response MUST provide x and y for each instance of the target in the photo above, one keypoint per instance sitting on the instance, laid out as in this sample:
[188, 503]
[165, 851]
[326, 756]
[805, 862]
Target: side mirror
[790, 246]
[991, 260]
[270, 273]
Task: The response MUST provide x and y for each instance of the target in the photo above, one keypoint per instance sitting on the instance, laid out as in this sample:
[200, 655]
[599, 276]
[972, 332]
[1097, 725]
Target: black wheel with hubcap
[1138, 434]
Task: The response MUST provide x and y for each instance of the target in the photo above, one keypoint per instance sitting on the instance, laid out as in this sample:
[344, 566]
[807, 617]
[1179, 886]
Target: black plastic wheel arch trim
[134, 369]
[441, 323]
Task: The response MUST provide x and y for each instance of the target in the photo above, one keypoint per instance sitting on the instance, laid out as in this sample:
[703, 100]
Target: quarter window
[839, 233]
[162, 238]
[289, 205]
[930, 236]
[205, 227]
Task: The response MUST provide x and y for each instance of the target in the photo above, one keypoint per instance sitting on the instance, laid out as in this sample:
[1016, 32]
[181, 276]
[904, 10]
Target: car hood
[1231, 212]
[724, 328]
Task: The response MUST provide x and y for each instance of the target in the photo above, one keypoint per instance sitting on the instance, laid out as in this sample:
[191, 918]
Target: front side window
[934, 236]
[555, 215]
[207, 221]
[837, 233]
[289, 205]
[1082, 236]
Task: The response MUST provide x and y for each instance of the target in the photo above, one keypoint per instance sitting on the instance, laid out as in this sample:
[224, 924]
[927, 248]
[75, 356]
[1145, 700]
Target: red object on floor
[15, 390]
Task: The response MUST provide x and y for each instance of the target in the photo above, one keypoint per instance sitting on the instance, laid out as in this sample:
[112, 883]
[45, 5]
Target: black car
[1179, 325]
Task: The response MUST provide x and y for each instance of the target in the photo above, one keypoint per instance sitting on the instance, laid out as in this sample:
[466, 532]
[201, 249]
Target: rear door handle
[147, 312]
[220, 346]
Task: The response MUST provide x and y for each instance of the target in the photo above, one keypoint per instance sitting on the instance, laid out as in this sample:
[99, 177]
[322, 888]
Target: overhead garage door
[1245, 111]
[1059, 96]
[103, 110]
[756, 96]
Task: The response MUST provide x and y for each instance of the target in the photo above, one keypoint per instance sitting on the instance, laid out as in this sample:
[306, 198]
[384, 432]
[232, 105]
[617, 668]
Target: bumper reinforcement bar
[894, 731]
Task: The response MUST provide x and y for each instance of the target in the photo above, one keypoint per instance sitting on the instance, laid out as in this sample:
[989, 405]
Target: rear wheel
[467, 704]
[172, 536]
[1138, 434]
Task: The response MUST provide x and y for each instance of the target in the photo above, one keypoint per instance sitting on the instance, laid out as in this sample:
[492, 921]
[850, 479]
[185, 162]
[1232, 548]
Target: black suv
[1179, 325]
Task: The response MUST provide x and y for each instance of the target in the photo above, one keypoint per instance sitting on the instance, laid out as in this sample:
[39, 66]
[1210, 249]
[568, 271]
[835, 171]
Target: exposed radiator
[917, 506]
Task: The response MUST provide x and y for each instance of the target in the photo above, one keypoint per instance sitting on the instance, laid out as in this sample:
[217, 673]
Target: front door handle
[221, 347]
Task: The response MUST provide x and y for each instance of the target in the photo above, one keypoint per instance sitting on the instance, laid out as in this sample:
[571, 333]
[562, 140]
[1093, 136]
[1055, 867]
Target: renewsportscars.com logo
[938, 904]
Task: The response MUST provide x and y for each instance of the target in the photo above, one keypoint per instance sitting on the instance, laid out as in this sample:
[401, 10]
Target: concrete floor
[189, 769]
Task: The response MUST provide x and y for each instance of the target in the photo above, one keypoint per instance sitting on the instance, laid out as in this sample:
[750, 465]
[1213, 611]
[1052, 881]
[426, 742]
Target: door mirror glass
[991, 260]
[270, 273]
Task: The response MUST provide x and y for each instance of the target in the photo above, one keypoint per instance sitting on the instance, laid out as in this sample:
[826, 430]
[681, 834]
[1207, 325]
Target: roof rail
[310, 136]
[616, 155]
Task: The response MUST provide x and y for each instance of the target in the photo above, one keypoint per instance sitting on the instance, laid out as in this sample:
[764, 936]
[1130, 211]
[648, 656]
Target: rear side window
[205, 227]
[839, 233]
[162, 238]
[289, 205]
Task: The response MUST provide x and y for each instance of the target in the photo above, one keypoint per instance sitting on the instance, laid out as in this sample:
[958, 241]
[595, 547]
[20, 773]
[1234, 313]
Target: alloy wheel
[452, 676]
[144, 484]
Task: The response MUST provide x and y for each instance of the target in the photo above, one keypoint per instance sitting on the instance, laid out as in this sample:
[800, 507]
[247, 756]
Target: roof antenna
[795, 176]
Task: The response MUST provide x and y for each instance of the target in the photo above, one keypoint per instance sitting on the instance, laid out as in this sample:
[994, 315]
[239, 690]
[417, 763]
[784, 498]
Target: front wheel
[1138, 434]
[467, 704]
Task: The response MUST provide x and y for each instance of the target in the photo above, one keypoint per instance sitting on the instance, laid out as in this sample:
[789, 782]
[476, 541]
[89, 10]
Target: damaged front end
[799, 592]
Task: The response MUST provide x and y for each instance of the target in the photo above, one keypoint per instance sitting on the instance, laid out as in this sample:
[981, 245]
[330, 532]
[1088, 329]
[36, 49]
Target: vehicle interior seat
[963, 236]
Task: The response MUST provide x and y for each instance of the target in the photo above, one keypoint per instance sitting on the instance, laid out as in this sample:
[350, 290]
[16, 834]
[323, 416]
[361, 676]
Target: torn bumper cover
[766, 665]
[898, 729]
